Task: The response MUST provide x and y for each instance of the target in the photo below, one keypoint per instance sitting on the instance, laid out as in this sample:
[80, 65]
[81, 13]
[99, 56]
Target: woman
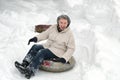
[59, 45]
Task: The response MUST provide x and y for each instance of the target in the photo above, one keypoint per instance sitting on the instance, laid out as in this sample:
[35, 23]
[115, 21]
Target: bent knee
[44, 51]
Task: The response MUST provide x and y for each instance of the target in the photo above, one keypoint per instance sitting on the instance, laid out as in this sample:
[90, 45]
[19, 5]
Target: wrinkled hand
[34, 39]
[59, 60]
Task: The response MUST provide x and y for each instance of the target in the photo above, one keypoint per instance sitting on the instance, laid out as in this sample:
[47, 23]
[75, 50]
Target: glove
[34, 39]
[59, 60]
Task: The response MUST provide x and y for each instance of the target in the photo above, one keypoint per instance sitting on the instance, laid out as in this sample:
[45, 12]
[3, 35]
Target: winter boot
[25, 64]
[29, 73]
[20, 67]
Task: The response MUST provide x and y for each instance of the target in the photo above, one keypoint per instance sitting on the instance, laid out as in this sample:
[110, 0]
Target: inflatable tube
[51, 66]
[42, 27]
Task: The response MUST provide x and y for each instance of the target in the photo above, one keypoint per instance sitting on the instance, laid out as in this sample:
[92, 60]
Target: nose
[62, 26]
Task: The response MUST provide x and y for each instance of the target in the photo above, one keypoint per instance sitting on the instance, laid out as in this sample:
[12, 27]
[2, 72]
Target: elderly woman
[59, 45]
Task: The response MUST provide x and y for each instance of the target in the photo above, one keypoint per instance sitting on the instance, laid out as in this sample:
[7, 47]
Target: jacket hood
[64, 17]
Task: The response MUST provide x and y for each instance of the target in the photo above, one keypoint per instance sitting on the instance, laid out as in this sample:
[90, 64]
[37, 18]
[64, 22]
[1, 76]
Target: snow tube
[52, 66]
[42, 27]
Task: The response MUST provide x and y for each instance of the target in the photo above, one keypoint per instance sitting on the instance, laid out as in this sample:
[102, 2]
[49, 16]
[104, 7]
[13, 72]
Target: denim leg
[38, 59]
[32, 52]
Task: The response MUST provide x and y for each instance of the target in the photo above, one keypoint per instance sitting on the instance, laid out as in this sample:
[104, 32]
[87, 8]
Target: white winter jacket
[62, 43]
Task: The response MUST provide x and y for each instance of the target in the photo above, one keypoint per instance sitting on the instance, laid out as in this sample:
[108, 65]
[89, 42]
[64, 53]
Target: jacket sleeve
[70, 49]
[44, 35]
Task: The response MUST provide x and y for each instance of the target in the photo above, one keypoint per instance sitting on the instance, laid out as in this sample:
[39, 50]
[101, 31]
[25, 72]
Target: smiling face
[62, 23]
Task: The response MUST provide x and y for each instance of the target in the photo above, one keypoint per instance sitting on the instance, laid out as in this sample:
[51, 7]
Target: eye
[65, 23]
[61, 23]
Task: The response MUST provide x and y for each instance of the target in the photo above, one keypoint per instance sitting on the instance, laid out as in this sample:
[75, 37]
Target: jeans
[36, 55]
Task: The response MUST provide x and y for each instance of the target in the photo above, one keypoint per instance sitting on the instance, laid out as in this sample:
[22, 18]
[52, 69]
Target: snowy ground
[95, 24]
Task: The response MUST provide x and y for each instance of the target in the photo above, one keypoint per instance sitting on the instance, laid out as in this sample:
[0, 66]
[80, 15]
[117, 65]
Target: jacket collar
[65, 30]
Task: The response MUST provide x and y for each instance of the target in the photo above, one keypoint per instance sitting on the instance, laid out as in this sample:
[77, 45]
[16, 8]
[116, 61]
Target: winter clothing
[19, 67]
[34, 58]
[35, 51]
[34, 39]
[25, 64]
[28, 73]
[43, 54]
[60, 43]
[32, 52]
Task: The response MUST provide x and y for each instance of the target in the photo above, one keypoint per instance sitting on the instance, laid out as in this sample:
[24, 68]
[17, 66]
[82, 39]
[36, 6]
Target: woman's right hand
[34, 39]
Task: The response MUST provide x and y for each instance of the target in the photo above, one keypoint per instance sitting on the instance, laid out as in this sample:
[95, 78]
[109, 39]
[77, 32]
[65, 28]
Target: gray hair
[64, 17]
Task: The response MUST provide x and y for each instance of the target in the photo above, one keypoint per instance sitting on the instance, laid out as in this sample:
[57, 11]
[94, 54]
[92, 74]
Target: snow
[95, 24]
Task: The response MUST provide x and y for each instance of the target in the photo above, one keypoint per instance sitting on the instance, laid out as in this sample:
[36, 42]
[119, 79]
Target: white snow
[95, 24]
